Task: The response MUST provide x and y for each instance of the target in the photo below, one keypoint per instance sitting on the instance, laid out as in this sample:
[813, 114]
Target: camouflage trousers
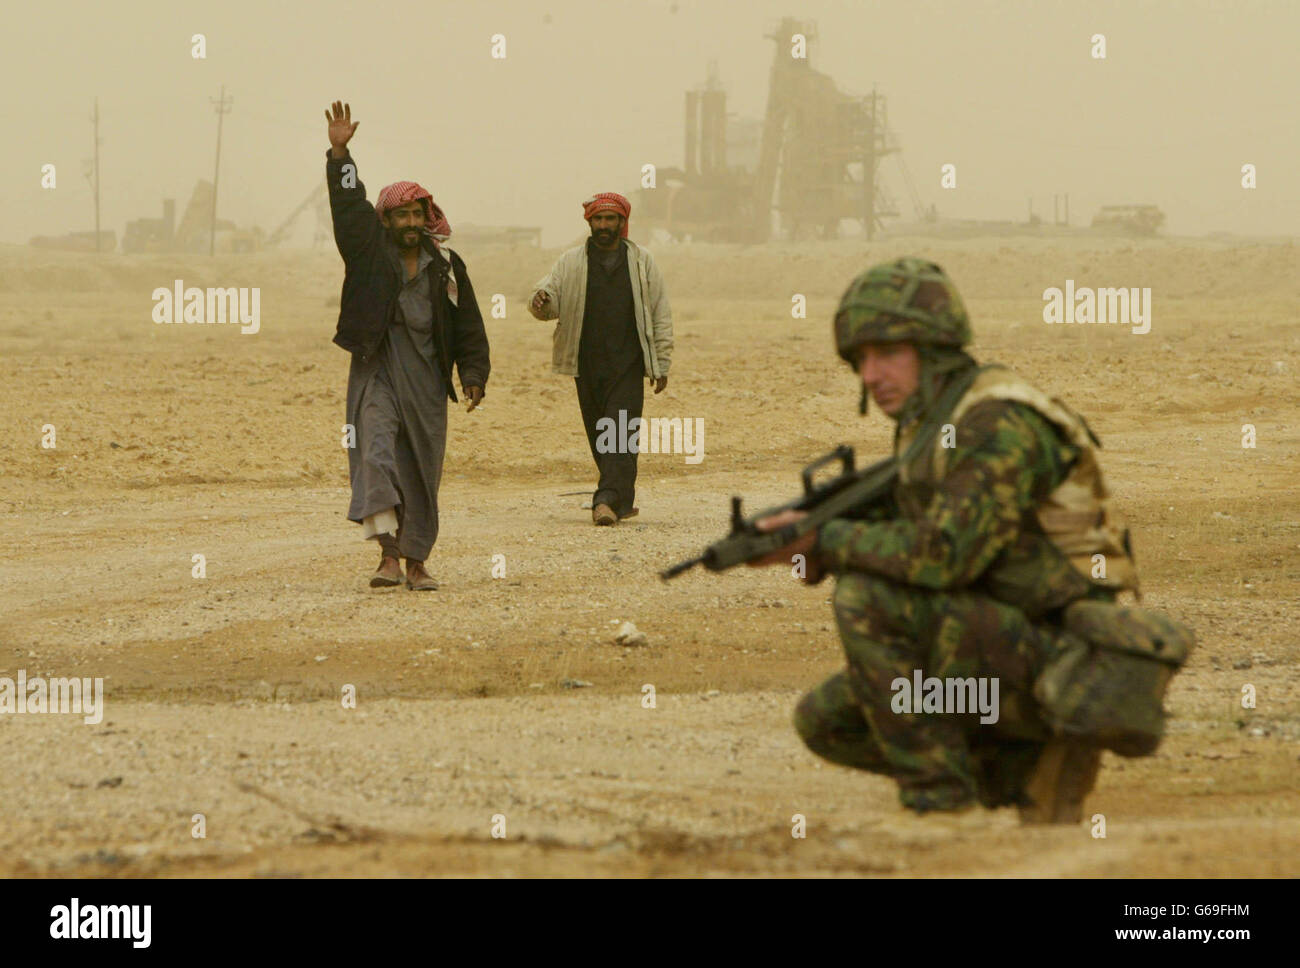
[941, 760]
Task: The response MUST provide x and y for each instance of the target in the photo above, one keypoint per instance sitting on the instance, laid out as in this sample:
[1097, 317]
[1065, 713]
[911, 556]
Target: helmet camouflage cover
[906, 300]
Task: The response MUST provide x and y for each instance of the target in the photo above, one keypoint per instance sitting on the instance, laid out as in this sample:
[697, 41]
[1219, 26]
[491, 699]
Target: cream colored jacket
[566, 284]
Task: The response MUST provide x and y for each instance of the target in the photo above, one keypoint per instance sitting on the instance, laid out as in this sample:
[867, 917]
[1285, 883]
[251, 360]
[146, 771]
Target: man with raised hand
[407, 314]
[615, 324]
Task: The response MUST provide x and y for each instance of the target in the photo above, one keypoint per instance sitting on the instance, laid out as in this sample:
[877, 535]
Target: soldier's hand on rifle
[341, 128]
[785, 556]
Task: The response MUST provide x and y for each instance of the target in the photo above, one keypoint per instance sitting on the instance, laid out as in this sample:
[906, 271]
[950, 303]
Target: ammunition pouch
[1108, 684]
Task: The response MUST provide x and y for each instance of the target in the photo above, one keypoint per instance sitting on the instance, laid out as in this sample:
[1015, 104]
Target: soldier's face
[891, 372]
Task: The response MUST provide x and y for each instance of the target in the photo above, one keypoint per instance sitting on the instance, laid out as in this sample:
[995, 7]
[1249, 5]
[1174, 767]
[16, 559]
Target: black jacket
[371, 285]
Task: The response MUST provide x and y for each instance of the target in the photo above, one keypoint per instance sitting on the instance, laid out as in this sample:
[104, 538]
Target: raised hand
[341, 127]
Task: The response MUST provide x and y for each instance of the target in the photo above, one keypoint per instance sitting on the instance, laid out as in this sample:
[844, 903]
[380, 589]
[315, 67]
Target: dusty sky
[590, 90]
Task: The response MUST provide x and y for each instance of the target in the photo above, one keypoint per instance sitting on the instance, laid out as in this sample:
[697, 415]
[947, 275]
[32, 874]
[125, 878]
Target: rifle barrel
[680, 567]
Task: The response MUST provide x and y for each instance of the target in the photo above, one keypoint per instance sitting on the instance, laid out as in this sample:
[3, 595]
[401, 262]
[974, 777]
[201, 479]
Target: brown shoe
[603, 515]
[389, 574]
[630, 514]
[417, 579]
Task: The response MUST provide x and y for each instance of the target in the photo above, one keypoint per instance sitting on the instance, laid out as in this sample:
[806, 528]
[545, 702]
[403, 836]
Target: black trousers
[601, 396]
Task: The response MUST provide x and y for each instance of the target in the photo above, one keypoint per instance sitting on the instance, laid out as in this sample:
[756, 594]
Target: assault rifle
[839, 497]
[836, 498]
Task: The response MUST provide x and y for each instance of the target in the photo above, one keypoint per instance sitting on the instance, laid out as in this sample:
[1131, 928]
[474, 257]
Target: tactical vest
[1075, 517]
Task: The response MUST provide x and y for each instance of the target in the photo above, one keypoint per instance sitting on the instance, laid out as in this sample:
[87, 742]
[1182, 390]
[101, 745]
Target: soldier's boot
[1064, 775]
[947, 795]
[959, 821]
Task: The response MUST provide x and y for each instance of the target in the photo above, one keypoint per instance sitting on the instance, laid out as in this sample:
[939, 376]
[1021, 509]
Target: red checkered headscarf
[608, 202]
[436, 226]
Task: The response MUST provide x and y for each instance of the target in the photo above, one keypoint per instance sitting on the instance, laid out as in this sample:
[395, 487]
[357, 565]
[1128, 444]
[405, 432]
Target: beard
[406, 238]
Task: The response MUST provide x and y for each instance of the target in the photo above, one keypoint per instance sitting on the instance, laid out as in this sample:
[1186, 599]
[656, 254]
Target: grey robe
[397, 401]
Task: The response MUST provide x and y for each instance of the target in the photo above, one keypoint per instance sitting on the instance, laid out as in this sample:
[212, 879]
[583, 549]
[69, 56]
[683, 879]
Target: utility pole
[222, 107]
[869, 168]
[95, 118]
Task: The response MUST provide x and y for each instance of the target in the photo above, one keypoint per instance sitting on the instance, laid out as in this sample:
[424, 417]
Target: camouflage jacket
[977, 530]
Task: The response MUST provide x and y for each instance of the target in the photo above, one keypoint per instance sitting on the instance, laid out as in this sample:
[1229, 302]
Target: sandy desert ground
[223, 693]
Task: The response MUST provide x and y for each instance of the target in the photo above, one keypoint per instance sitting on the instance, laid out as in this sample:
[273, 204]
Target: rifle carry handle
[842, 453]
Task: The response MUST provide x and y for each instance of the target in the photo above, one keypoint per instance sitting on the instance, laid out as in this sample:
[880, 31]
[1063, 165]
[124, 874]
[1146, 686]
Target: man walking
[407, 313]
[615, 324]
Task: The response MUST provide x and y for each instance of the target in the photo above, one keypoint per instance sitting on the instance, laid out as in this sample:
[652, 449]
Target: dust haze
[507, 693]
[588, 93]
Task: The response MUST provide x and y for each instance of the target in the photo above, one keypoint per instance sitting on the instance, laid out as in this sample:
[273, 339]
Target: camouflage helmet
[908, 299]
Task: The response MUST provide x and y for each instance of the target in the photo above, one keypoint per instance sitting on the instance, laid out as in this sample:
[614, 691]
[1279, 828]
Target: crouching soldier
[996, 568]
